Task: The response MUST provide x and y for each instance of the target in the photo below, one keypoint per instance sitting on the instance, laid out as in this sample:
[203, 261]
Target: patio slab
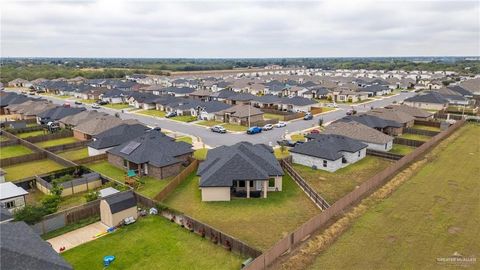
[77, 237]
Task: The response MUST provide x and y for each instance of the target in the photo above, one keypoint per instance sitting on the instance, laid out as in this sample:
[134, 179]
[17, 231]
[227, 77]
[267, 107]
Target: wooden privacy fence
[9, 142]
[91, 159]
[430, 133]
[432, 123]
[316, 110]
[4, 162]
[384, 154]
[25, 129]
[408, 142]
[52, 136]
[366, 188]
[68, 146]
[316, 198]
[176, 181]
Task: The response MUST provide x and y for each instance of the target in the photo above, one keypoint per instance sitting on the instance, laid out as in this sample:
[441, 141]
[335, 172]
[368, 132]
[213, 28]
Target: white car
[268, 127]
[280, 124]
[95, 106]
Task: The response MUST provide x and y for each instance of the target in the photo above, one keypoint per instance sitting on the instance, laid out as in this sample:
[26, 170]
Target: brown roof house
[393, 115]
[375, 139]
[240, 115]
[117, 207]
[153, 154]
[86, 130]
[412, 111]
[76, 119]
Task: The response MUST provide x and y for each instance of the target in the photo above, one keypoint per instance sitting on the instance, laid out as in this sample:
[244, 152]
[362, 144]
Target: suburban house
[81, 117]
[318, 92]
[202, 110]
[86, 130]
[389, 127]
[328, 152]
[153, 154]
[412, 111]
[56, 114]
[144, 101]
[28, 109]
[12, 197]
[393, 115]
[203, 95]
[376, 90]
[114, 96]
[240, 115]
[429, 101]
[177, 91]
[21, 248]
[240, 99]
[240, 170]
[7, 99]
[19, 83]
[114, 137]
[296, 104]
[375, 139]
[117, 207]
[347, 96]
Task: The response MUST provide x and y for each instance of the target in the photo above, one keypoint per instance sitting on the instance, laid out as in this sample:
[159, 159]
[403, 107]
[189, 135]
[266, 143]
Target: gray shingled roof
[121, 201]
[430, 97]
[117, 135]
[154, 147]
[371, 121]
[242, 161]
[59, 113]
[356, 131]
[328, 146]
[21, 248]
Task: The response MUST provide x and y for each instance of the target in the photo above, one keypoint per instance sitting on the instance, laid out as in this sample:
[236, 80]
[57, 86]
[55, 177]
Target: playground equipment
[132, 178]
[107, 260]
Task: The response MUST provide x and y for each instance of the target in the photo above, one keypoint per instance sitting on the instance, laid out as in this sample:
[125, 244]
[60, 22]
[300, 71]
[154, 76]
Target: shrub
[31, 214]
[91, 196]
[50, 204]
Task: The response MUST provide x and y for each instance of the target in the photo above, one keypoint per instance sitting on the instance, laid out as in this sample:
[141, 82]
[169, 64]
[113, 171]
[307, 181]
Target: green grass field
[14, 151]
[273, 116]
[259, 222]
[151, 187]
[3, 138]
[297, 137]
[415, 137]
[401, 149]
[119, 106]
[209, 123]
[184, 118]
[333, 186]
[152, 243]
[56, 142]
[31, 134]
[426, 128]
[87, 101]
[155, 113]
[27, 169]
[432, 215]
[186, 139]
[75, 154]
[279, 154]
[200, 154]
[232, 127]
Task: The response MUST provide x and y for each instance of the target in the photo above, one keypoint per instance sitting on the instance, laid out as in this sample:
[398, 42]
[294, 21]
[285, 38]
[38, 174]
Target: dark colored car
[101, 102]
[351, 112]
[308, 116]
[254, 130]
[171, 114]
[78, 103]
[218, 129]
[288, 143]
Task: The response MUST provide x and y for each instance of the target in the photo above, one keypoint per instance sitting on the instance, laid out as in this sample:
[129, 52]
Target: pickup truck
[254, 130]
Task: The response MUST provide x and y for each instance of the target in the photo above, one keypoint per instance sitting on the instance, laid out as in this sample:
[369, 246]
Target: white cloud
[239, 29]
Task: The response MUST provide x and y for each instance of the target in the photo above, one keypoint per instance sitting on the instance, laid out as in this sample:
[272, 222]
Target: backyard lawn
[279, 154]
[273, 116]
[151, 187]
[200, 154]
[56, 142]
[155, 113]
[153, 243]
[333, 186]
[232, 127]
[257, 221]
[415, 137]
[75, 154]
[186, 139]
[426, 127]
[297, 137]
[27, 169]
[432, 215]
[119, 106]
[401, 149]
[209, 123]
[184, 118]
[31, 134]
[14, 151]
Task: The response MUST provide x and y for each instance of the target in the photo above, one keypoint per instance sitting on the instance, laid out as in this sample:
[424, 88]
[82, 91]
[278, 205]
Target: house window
[125, 163]
[10, 204]
[241, 184]
[386, 146]
[271, 182]
[251, 183]
[359, 152]
[324, 163]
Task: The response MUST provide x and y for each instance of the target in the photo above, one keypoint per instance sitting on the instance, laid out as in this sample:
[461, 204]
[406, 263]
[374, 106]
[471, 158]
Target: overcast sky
[239, 29]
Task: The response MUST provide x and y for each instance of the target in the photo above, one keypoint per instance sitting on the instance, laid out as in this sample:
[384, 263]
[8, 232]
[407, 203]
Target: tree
[31, 214]
[282, 148]
[91, 196]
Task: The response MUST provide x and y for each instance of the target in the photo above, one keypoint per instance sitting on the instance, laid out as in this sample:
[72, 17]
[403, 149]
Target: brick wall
[164, 172]
[115, 160]
[80, 136]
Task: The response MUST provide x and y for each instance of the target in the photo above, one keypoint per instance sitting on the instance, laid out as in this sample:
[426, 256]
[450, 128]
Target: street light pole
[249, 104]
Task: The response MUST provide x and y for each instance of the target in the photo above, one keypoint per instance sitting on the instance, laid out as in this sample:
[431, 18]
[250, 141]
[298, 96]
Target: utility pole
[249, 104]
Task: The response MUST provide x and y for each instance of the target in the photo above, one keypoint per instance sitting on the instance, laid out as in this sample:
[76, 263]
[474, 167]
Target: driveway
[268, 137]
[77, 237]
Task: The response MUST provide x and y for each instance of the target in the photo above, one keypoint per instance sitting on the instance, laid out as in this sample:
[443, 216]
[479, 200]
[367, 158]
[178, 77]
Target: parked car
[280, 124]
[404, 91]
[66, 105]
[308, 116]
[101, 102]
[267, 127]
[351, 112]
[95, 106]
[254, 130]
[171, 114]
[332, 105]
[314, 131]
[288, 143]
[218, 129]
[78, 103]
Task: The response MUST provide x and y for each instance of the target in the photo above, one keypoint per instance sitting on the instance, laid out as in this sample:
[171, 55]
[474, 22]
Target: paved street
[267, 137]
